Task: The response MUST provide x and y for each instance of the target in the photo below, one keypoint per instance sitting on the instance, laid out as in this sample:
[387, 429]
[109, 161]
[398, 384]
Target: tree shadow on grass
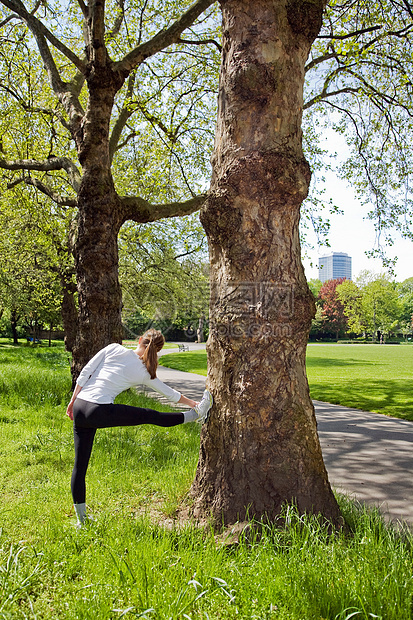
[328, 362]
[385, 396]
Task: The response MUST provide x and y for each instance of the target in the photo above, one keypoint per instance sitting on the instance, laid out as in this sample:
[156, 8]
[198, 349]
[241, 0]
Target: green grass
[370, 377]
[187, 361]
[135, 561]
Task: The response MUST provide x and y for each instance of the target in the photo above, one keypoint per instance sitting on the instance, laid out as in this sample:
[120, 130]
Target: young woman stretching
[110, 372]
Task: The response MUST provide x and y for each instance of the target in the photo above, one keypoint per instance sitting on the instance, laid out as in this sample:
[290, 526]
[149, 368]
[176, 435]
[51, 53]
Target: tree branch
[142, 211]
[156, 122]
[7, 20]
[37, 27]
[408, 8]
[124, 115]
[126, 141]
[348, 35]
[97, 48]
[77, 83]
[325, 95]
[118, 21]
[163, 39]
[317, 61]
[403, 32]
[54, 163]
[205, 42]
[29, 108]
[83, 8]
[66, 93]
[57, 198]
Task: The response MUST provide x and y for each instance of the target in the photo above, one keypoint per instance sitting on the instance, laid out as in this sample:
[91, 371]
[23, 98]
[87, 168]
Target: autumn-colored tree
[334, 318]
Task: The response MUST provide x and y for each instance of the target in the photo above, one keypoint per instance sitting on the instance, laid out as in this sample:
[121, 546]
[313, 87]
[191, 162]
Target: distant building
[335, 265]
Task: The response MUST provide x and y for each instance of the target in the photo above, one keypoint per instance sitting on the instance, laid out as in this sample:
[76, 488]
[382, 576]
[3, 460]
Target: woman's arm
[69, 410]
[187, 401]
[172, 395]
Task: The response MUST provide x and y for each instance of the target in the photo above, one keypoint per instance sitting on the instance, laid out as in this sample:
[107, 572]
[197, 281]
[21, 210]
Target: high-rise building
[335, 265]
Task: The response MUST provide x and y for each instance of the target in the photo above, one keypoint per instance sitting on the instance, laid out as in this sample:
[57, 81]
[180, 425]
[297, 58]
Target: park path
[368, 456]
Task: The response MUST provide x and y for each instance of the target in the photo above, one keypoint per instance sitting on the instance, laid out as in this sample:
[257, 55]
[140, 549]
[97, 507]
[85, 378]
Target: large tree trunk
[99, 221]
[260, 448]
[69, 310]
[13, 322]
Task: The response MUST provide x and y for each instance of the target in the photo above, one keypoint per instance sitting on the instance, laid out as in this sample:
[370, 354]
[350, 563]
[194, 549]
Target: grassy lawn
[187, 361]
[134, 561]
[371, 377]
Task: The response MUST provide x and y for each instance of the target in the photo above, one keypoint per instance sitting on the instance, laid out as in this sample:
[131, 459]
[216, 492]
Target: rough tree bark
[260, 447]
[99, 221]
[69, 310]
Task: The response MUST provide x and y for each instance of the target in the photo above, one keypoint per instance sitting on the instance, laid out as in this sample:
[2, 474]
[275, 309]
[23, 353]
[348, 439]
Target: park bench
[183, 347]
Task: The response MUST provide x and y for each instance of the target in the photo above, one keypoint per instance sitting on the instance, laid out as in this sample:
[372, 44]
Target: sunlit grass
[187, 361]
[137, 560]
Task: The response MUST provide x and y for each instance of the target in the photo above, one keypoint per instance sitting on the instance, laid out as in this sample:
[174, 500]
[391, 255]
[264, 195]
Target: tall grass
[136, 560]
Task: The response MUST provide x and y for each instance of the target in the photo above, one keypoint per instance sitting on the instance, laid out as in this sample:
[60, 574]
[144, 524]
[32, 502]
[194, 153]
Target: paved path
[367, 455]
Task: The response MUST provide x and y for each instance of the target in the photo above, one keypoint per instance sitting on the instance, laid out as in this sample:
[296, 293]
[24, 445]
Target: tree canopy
[161, 127]
[358, 81]
[33, 266]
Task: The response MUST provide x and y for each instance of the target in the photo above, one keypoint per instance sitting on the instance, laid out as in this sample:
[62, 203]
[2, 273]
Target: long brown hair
[153, 340]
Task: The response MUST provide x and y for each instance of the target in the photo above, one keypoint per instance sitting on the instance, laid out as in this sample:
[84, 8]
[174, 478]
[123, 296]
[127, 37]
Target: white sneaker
[87, 522]
[204, 406]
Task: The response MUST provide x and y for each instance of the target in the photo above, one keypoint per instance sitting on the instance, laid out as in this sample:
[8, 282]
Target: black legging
[87, 417]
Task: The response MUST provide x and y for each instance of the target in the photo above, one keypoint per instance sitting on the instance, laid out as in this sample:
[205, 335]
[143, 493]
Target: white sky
[353, 233]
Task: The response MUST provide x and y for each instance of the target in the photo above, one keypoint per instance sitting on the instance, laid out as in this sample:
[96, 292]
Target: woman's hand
[69, 410]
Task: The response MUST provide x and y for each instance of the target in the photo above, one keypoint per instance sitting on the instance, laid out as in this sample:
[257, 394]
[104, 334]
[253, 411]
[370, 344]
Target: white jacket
[115, 369]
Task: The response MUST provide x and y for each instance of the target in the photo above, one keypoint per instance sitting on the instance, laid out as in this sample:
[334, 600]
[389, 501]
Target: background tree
[381, 306]
[315, 286]
[317, 324]
[350, 296]
[405, 290]
[372, 304]
[164, 276]
[30, 269]
[332, 309]
[89, 111]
